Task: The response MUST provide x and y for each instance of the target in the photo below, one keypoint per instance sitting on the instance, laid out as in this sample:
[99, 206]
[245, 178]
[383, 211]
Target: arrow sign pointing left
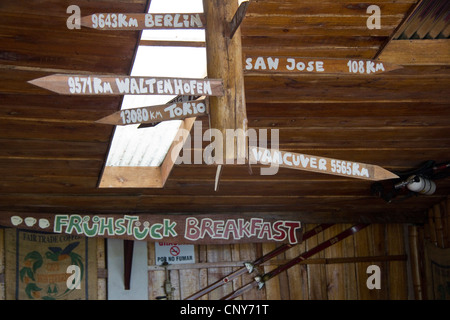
[121, 85]
[171, 111]
[143, 21]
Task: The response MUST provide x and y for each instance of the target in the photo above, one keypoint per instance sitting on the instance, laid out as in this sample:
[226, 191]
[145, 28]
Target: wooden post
[447, 221]
[224, 61]
[128, 246]
[437, 214]
[415, 269]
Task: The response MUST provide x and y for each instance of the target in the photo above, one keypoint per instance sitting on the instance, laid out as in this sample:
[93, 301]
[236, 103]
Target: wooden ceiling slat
[120, 201]
[52, 149]
[268, 188]
[343, 8]
[382, 88]
[371, 109]
[302, 122]
[58, 166]
[52, 155]
[355, 52]
[60, 103]
[312, 41]
[13, 129]
[417, 52]
[58, 7]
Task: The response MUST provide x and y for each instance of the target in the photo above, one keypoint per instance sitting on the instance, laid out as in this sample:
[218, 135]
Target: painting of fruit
[55, 259]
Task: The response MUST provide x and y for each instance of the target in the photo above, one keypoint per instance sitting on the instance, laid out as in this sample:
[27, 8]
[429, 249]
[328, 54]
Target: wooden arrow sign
[316, 65]
[120, 85]
[142, 21]
[174, 111]
[306, 162]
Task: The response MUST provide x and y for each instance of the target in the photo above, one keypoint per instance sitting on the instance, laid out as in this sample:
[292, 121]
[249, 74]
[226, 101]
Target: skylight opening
[148, 147]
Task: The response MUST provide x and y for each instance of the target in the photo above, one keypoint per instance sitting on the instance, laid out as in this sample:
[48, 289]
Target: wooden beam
[417, 52]
[224, 61]
[279, 262]
[397, 31]
[238, 18]
[175, 148]
[172, 43]
[147, 177]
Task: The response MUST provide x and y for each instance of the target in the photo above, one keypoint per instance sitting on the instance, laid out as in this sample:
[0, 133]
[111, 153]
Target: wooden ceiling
[52, 153]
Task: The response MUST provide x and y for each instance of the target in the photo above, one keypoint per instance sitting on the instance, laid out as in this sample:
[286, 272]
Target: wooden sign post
[121, 85]
[306, 162]
[174, 111]
[224, 61]
[317, 65]
[142, 21]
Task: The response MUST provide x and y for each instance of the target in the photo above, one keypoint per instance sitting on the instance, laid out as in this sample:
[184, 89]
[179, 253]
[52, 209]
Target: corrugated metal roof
[133, 146]
[430, 20]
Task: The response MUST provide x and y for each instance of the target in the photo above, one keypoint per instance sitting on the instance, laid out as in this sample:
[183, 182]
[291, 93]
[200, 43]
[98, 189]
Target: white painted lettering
[292, 62]
[150, 83]
[122, 85]
[319, 66]
[206, 88]
[149, 21]
[273, 63]
[196, 21]
[248, 64]
[259, 64]
[322, 164]
[168, 86]
[168, 20]
[176, 21]
[158, 20]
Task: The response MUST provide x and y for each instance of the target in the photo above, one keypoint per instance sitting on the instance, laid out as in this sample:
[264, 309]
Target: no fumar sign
[174, 253]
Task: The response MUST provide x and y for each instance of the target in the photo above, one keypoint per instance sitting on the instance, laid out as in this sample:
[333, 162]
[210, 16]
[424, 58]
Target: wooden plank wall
[437, 232]
[338, 273]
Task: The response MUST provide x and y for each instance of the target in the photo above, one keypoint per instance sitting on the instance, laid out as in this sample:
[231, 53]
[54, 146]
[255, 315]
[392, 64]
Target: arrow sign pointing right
[318, 164]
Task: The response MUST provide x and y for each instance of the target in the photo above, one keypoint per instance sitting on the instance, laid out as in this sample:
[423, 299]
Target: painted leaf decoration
[77, 260]
[23, 272]
[34, 255]
[30, 288]
[70, 247]
[55, 249]
[37, 264]
[30, 274]
[52, 256]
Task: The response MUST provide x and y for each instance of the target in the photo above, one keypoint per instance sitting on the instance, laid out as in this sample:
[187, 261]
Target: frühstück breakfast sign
[185, 229]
